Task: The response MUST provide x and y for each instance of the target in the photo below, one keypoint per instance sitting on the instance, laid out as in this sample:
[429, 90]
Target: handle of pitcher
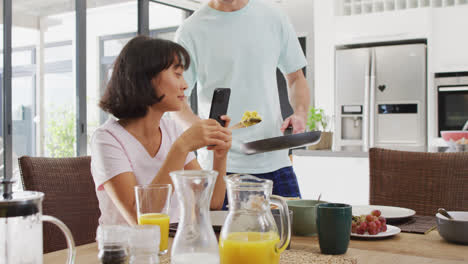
[285, 222]
[68, 236]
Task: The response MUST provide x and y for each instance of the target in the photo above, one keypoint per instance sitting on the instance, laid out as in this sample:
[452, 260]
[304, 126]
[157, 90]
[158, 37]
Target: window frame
[8, 73]
[105, 62]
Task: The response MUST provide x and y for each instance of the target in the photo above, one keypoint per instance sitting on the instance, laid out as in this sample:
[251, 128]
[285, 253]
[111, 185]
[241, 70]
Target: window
[58, 102]
[44, 79]
[163, 17]
[57, 93]
[118, 20]
[164, 21]
[42, 83]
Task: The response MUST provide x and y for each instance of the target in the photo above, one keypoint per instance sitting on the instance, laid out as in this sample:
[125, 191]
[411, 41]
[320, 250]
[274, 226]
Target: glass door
[453, 107]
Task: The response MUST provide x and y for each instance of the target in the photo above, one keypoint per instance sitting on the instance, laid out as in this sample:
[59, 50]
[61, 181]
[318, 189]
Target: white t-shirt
[241, 50]
[114, 151]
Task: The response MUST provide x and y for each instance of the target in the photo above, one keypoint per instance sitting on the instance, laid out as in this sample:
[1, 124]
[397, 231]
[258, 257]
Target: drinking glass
[153, 202]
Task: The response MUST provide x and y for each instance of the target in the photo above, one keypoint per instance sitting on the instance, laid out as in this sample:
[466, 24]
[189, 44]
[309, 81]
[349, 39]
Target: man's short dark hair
[129, 92]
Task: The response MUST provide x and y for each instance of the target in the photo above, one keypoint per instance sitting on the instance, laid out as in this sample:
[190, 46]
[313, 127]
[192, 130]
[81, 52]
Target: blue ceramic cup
[334, 227]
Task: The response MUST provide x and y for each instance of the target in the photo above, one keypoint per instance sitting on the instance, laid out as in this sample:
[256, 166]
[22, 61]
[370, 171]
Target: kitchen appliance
[281, 142]
[21, 228]
[249, 234]
[452, 98]
[380, 96]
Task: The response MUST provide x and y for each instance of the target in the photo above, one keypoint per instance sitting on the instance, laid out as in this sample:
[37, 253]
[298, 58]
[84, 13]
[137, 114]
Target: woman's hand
[222, 150]
[206, 132]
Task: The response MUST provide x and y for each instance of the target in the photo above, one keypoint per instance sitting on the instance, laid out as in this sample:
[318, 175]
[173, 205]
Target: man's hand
[299, 98]
[297, 121]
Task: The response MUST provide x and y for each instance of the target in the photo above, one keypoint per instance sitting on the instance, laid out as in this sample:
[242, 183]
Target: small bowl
[454, 135]
[453, 230]
[305, 216]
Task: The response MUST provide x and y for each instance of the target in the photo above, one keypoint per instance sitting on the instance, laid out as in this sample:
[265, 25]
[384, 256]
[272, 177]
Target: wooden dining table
[402, 248]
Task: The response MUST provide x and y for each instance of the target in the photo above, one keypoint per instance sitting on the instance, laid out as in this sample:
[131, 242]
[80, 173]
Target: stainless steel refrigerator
[380, 97]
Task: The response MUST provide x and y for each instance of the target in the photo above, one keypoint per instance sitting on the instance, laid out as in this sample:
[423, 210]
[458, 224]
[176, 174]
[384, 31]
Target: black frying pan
[281, 142]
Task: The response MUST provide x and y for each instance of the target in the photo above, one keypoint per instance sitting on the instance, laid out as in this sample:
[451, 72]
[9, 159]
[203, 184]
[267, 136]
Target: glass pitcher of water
[195, 241]
[249, 234]
[21, 229]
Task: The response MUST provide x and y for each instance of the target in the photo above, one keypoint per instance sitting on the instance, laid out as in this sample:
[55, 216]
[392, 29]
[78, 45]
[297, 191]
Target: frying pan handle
[236, 146]
[288, 130]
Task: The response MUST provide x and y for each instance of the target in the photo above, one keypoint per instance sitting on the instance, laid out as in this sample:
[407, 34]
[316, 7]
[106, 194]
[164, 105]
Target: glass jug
[249, 234]
[195, 241]
[21, 229]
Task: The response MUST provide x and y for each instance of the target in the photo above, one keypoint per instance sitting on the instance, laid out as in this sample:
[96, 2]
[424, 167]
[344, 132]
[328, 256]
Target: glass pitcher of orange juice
[249, 234]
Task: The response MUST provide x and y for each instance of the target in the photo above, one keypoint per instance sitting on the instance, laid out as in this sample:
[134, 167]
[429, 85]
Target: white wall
[324, 35]
[300, 13]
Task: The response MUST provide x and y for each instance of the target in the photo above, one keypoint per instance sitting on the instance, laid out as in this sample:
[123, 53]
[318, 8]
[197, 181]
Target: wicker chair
[69, 195]
[421, 181]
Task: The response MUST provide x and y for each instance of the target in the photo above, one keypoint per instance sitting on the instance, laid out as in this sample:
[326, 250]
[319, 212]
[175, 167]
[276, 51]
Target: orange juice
[162, 220]
[249, 248]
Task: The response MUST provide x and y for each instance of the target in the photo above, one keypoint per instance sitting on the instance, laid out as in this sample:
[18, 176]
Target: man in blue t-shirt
[239, 44]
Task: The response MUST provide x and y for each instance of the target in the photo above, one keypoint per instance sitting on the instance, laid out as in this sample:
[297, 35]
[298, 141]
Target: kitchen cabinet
[449, 39]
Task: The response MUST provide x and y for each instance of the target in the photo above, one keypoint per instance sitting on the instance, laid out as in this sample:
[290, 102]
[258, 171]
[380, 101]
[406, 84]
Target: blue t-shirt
[241, 50]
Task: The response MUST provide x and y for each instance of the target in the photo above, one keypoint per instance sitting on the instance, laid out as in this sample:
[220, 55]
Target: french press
[21, 227]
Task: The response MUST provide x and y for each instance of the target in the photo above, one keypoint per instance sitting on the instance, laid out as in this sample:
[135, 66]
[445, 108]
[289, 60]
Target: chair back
[69, 195]
[420, 181]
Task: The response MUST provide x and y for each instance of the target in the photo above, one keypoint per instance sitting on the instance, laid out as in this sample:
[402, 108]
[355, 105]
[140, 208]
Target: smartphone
[219, 104]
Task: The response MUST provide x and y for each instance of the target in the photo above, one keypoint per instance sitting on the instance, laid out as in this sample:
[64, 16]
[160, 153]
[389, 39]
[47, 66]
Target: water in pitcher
[196, 258]
[195, 241]
[17, 240]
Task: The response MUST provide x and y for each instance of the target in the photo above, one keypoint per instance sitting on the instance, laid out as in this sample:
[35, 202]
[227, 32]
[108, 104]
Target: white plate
[218, 217]
[391, 231]
[389, 212]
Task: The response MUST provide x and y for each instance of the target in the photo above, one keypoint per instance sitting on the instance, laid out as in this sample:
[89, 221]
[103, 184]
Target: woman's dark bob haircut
[129, 92]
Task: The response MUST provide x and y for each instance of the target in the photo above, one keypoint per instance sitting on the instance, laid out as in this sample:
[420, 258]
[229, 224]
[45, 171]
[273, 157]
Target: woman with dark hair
[142, 147]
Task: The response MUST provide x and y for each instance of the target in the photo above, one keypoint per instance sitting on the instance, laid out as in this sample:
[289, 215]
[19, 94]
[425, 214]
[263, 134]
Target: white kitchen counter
[361, 154]
[330, 153]
[340, 176]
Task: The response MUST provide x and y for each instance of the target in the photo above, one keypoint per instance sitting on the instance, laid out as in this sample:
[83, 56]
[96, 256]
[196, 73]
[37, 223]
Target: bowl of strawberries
[373, 225]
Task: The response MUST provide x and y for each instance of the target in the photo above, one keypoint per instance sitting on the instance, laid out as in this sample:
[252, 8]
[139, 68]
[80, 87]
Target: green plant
[316, 118]
[61, 138]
